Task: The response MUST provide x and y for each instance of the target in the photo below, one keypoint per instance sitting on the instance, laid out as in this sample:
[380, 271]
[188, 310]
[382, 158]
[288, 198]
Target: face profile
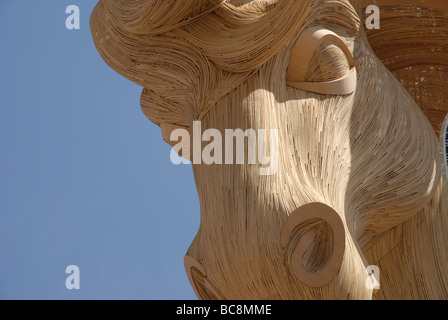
[358, 182]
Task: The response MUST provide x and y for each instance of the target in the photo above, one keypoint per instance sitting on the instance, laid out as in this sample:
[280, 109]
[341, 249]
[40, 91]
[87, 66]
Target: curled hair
[187, 54]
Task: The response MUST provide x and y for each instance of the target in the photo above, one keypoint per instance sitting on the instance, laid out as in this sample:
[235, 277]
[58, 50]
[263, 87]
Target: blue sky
[85, 178]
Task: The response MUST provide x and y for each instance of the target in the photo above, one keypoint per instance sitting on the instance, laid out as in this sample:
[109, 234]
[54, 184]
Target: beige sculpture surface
[359, 178]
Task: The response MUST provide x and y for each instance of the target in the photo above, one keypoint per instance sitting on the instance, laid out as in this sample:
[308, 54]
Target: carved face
[356, 159]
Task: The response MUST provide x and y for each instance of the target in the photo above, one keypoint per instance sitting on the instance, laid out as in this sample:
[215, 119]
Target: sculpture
[359, 178]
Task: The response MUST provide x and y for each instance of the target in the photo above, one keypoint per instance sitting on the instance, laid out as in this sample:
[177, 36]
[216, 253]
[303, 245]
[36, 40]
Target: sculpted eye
[322, 63]
[328, 63]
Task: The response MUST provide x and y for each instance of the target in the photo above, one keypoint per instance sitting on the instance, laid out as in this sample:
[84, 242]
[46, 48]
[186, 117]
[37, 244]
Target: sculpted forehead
[189, 54]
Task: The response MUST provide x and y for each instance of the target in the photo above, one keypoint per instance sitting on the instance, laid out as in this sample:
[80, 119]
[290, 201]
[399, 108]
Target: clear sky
[85, 178]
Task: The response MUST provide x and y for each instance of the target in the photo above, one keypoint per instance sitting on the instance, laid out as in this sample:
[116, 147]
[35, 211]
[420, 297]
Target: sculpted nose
[314, 240]
[319, 252]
